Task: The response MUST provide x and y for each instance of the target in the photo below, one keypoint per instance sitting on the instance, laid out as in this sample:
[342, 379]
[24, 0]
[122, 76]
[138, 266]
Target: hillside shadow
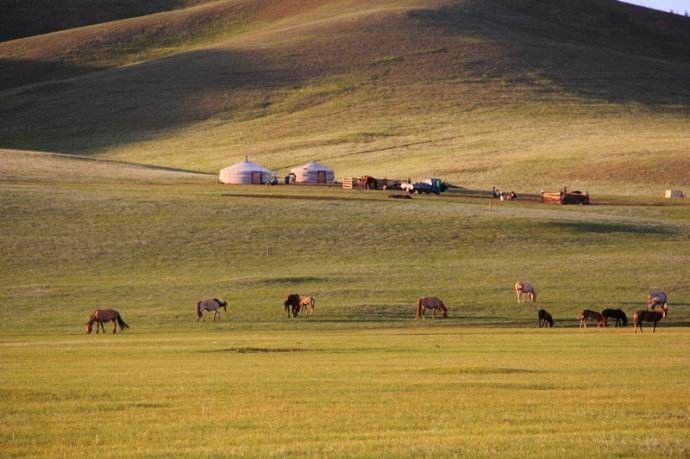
[609, 228]
[23, 19]
[604, 51]
[19, 72]
[132, 103]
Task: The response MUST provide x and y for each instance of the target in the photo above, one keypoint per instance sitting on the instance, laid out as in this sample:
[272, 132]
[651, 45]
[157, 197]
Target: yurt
[313, 173]
[245, 172]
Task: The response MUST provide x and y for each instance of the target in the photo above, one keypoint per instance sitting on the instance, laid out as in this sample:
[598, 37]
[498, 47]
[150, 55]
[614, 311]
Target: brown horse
[618, 314]
[657, 298]
[587, 314]
[545, 319]
[525, 288]
[292, 304]
[307, 303]
[210, 305]
[648, 316]
[430, 302]
[100, 316]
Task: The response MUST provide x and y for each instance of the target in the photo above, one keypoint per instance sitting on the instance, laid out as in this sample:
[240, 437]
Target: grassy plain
[360, 378]
[416, 391]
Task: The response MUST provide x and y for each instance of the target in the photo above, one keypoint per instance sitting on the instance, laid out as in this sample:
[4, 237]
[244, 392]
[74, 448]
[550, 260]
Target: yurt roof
[246, 166]
[313, 165]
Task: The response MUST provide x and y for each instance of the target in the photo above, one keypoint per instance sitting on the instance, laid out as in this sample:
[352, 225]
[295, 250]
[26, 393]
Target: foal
[587, 314]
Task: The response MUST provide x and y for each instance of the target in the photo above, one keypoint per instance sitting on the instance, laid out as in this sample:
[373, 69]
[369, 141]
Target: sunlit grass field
[359, 378]
[401, 392]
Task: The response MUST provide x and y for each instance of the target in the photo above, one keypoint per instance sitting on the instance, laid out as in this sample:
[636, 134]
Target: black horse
[545, 319]
[292, 304]
[618, 314]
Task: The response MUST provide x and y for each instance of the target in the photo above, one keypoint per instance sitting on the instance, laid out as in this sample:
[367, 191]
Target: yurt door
[321, 177]
[256, 178]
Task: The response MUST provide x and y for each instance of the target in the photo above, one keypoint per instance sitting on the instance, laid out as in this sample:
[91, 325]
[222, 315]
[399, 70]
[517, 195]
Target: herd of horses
[650, 314]
[295, 304]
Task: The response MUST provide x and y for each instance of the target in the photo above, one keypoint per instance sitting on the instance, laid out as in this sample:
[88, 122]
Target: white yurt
[313, 173]
[245, 172]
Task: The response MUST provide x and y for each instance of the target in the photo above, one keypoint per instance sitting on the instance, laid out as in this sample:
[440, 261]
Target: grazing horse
[292, 303]
[210, 305]
[588, 314]
[648, 316]
[430, 302]
[307, 304]
[525, 288]
[618, 314]
[100, 316]
[545, 319]
[657, 298]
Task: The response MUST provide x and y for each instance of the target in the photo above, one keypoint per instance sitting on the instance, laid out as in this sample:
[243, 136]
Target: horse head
[88, 327]
[223, 304]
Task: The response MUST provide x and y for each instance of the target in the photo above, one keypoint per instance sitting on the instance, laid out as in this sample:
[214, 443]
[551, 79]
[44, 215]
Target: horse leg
[517, 294]
[114, 326]
[654, 327]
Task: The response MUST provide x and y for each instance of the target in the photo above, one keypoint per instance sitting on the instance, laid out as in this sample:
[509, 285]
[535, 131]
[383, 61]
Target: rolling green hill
[517, 93]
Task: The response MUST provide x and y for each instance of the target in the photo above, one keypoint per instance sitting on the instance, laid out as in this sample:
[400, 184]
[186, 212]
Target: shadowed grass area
[499, 93]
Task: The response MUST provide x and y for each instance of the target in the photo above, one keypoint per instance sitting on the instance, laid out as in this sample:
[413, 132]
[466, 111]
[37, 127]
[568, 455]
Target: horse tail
[121, 322]
[198, 310]
[313, 303]
[444, 309]
[418, 313]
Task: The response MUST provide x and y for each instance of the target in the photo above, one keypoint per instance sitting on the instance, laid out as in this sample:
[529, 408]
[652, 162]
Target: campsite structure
[245, 173]
[313, 173]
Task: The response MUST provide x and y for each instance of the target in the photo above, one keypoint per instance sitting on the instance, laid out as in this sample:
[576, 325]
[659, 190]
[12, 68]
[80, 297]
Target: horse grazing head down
[430, 302]
[222, 304]
[292, 304]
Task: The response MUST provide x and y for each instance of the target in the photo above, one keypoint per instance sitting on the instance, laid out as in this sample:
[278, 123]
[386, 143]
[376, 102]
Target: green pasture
[414, 391]
[359, 378]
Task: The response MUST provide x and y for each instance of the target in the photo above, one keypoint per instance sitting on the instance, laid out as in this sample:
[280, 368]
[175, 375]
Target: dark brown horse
[292, 304]
[210, 305]
[430, 302]
[587, 314]
[545, 319]
[100, 316]
[648, 316]
[618, 314]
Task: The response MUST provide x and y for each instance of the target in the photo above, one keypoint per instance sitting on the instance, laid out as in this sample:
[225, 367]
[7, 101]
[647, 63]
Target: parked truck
[431, 185]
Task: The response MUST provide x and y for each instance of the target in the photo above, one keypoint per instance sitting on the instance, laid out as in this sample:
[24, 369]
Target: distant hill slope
[518, 92]
[22, 18]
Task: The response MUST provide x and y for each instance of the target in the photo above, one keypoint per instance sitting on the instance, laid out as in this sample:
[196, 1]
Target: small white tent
[313, 173]
[245, 172]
